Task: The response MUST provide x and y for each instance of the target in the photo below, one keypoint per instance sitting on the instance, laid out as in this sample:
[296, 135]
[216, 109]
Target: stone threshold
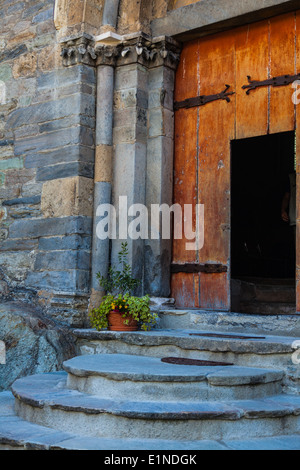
[192, 339]
[277, 325]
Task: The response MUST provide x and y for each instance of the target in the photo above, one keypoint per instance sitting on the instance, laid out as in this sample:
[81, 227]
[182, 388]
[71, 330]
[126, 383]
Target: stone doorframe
[139, 73]
[133, 144]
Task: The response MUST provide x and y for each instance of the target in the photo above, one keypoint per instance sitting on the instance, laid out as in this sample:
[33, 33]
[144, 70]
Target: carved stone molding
[150, 52]
[136, 49]
[80, 50]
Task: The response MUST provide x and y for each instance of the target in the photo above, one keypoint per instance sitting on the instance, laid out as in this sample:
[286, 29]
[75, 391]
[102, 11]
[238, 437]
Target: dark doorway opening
[262, 245]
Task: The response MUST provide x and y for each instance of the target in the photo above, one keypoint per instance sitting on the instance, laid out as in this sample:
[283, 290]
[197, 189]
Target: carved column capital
[133, 49]
[150, 52]
[78, 50]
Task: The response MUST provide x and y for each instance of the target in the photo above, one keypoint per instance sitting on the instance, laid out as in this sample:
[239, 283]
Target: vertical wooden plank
[282, 62]
[187, 77]
[216, 129]
[214, 291]
[185, 290]
[185, 169]
[252, 59]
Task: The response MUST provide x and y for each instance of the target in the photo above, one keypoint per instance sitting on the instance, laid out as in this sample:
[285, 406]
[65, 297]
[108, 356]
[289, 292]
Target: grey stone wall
[47, 126]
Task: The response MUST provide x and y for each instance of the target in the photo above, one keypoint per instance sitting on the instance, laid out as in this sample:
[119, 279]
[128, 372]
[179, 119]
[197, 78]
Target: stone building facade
[87, 116]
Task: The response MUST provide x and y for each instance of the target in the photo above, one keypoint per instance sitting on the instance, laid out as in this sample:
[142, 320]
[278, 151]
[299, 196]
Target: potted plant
[119, 309]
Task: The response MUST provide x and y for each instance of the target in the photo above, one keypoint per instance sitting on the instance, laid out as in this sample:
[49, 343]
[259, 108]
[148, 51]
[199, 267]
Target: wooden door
[203, 135]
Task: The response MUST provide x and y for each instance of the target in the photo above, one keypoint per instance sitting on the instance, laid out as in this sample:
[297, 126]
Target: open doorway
[262, 245]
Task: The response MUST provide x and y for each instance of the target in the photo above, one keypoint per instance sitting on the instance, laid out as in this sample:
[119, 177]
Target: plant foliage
[119, 285]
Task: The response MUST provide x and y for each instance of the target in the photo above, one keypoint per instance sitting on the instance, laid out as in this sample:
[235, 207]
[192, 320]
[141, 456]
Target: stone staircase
[123, 392]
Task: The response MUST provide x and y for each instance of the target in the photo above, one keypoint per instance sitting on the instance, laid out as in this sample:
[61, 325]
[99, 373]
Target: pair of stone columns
[134, 145]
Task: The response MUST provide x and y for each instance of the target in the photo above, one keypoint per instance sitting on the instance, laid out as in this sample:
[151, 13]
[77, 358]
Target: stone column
[130, 138]
[159, 181]
[110, 13]
[134, 150]
[103, 174]
[143, 148]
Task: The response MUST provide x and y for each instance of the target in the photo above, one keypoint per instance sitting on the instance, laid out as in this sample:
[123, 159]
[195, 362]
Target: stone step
[18, 434]
[117, 376]
[267, 352]
[46, 400]
[245, 323]
[245, 350]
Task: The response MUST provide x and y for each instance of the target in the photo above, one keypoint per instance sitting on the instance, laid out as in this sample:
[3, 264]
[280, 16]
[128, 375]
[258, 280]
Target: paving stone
[121, 367]
[262, 408]
[242, 376]
[273, 443]
[145, 444]
[291, 401]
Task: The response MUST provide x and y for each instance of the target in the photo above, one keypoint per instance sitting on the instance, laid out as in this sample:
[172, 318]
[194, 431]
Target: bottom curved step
[46, 400]
[16, 433]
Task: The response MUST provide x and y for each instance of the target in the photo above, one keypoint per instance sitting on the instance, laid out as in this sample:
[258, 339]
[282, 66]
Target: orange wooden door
[203, 135]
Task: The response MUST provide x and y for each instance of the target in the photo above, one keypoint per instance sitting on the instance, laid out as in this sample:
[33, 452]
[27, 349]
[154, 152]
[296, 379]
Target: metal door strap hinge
[283, 80]
[204, 99]
[194, 268]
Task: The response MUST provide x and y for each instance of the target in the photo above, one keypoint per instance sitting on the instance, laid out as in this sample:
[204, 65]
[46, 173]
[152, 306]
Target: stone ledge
[15, 433]
[182, 339]
[217, 321]
[49, 391]
[121, 367]
[213, 16]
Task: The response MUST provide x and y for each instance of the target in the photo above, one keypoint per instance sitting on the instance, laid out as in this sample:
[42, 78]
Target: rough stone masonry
[46, 165]
[63, 64]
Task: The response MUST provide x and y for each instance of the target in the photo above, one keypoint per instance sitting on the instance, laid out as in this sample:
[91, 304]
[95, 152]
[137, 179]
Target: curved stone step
[46, 401]
[117, 376]
[161, 343]
[17, 434]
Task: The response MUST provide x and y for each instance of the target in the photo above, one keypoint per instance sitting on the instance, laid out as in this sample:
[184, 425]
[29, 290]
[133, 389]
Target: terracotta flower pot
[116, 322]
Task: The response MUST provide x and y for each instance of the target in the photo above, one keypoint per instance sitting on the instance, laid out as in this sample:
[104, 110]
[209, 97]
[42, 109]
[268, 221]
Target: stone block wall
[47, 127]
